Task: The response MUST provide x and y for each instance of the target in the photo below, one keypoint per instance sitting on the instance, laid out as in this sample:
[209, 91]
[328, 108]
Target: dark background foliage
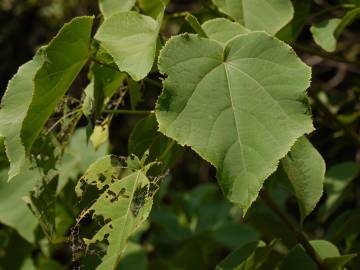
[191, 216]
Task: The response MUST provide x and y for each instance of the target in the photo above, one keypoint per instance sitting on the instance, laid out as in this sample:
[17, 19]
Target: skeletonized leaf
[240, 106]
[124, 204]
[267, 15]
[65, 56]
[130, 38]
[305, 170]
[223, 30]
[110, 7]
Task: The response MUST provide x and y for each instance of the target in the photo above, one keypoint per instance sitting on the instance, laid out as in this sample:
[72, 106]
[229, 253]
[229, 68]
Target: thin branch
[324, 55]
[300, 236]
[129, 112]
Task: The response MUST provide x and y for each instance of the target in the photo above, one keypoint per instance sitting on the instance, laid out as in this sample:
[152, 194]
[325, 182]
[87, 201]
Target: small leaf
[153, 7]
[42, 204]
[100, 135]
[305, 170]
[145, 136]
[298, 259]
[323, 34]
[240, 106]
[337, 180]
[130, 38]
[74, 162]
[135, 93]
[223, 30]
[110, 7]
[267, 15]
[65, 56]
[248, 257]
[106, 82]
[124, 204]
[194, 23]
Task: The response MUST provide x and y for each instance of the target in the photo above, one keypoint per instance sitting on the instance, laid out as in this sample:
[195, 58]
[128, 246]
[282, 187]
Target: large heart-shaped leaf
[267, 15]
[241, 106]
[131, 39]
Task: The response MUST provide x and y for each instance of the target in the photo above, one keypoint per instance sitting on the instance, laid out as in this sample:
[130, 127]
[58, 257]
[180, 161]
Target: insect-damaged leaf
[267, 15]
[241, 105]
[125, 202]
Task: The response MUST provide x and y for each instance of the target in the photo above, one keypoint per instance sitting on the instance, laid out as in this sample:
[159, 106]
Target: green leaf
[153, 7]
[337, 180]
[292, 30]
[249, 257]
[235, 235]
[298, 259]
[14, 106]
[110, 7]
[135, 93]
[145, 136]
[240, 106]
[134, 258]
[267, 15]
[74, 161]
[305, 170]
[42, 204]
[65, 56]
[100, 134]
[13, 210]
[124, 204]
[106, 82]
[194, 23]
[323, 34]
[130, 38]
[223, 30]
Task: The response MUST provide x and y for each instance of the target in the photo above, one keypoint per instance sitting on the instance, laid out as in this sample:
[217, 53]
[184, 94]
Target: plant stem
[324, 54]
[300, 236]
[331, 8]
[347, 130]
[129, 112]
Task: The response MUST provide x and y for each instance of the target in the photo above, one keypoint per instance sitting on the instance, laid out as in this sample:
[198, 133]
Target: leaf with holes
[124, 204]
[240, 105]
